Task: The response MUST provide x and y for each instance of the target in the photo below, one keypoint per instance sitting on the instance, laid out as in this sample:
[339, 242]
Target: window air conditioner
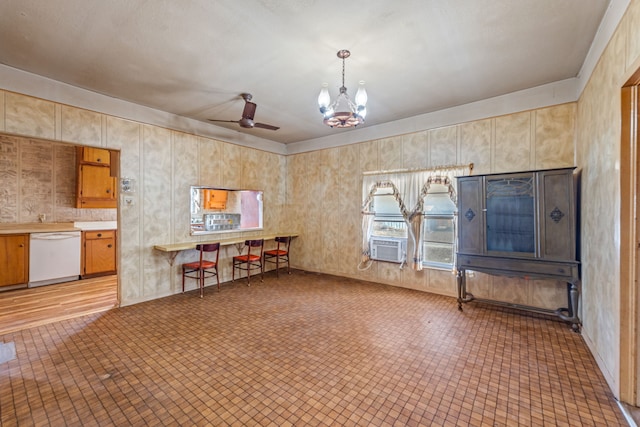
[388, 249]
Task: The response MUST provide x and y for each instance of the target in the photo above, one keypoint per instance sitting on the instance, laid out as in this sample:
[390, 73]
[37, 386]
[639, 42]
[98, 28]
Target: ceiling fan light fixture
[342, 112]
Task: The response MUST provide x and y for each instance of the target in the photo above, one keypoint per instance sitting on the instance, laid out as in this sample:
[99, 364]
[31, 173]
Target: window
[438, 233]
[388, 220]
[425, 200]
[438, 237]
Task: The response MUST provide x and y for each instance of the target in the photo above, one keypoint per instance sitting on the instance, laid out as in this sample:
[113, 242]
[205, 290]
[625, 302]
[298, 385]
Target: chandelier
[342, 112]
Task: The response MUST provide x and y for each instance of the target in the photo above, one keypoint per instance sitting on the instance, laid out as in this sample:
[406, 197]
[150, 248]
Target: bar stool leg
[201, 283]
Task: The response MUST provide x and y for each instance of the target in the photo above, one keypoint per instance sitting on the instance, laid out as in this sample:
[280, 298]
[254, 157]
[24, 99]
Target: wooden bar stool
[250, 261]
[280, 253]
[204, 268]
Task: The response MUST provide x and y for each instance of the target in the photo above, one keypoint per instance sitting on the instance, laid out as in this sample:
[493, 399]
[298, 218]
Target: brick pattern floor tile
[304, 350]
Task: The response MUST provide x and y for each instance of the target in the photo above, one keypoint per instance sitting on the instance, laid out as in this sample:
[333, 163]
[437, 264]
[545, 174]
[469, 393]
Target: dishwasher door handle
[54, 236]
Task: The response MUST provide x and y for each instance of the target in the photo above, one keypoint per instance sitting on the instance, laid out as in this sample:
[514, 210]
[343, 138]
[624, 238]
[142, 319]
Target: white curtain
[409, 189]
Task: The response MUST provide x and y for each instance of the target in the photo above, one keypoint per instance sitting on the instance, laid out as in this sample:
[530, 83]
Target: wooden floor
[26, 308]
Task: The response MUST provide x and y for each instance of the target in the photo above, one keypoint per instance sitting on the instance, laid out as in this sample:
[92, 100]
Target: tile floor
[305, 349]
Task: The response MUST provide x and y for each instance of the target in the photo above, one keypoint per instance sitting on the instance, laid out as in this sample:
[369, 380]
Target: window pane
[510, 215]
[438, 254]
[388, 220]
[438, 230]
[438, 201]
[389, 228]
[386, 204]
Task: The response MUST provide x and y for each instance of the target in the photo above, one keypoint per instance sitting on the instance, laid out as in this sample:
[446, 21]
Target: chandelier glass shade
[343, 112]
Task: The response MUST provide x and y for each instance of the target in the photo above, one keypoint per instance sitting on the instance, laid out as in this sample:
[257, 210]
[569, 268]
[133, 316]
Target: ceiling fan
[247, 115]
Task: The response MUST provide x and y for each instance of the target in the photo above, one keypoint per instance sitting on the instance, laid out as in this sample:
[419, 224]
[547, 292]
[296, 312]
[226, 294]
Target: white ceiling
[194, 58]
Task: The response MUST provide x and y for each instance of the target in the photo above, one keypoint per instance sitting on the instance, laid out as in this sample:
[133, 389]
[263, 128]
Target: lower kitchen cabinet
[14, 259]
[99, 253]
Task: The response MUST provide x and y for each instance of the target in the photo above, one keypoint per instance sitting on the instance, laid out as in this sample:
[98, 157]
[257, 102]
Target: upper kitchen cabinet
[215, 199]
[97, 178]
[94, 155]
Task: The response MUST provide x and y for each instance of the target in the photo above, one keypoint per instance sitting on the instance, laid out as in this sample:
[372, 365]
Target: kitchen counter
[96, 225]
[36, 227]
[53, 227]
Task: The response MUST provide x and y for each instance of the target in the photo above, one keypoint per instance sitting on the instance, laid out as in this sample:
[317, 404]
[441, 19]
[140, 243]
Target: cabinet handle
[109, 245]
[108, 191]
[99, 234]
[99, 160]
[22, 245]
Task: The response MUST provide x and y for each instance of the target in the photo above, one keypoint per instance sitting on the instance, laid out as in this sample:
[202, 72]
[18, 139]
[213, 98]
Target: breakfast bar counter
[172, 249]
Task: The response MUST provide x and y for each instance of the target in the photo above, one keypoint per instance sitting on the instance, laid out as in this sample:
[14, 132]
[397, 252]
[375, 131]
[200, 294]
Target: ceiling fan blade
[249, 110]
[247, 116]
[265, 126]
[223, 121]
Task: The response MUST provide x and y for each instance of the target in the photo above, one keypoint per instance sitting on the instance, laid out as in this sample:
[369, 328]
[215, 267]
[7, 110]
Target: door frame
[629, 374]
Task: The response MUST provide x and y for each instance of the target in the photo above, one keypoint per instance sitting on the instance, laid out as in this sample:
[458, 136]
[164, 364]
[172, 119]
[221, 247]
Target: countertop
[174, 247]
[96, 225]
[52, 227]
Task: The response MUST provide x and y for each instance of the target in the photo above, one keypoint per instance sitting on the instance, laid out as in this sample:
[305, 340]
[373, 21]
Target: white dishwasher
[54, 257]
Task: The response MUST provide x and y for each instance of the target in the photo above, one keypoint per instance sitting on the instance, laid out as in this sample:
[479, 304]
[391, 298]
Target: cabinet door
[557, 218]
[99, 252]
[14, 265]
[470, 218]
[511, 215]
[215, 199]
[96, 155]
[96, 182]
[96, 187]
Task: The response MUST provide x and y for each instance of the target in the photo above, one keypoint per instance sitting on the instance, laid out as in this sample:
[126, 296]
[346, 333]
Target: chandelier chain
[343, 72]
